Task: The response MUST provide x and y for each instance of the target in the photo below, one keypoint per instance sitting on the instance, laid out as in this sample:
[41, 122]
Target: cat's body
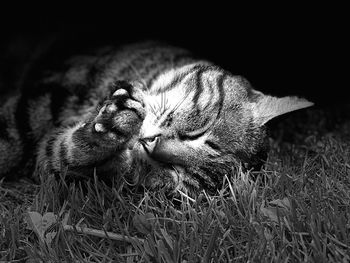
[148, 110]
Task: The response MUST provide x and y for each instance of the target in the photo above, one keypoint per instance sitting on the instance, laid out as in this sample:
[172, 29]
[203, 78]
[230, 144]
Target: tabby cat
[150, 111]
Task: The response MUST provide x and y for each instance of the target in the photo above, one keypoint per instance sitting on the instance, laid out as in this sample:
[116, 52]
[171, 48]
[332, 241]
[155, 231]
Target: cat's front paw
[121, 115]
[126, 95]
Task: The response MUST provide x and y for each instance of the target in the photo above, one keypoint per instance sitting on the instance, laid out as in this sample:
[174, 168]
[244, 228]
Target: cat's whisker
[154, 110]
[159, 108]
[164, 106]
[151, 108]
[162, 103]
[179, 103]
[166, 101]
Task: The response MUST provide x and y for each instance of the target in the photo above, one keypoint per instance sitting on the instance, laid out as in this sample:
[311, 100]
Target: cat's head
[200, 122]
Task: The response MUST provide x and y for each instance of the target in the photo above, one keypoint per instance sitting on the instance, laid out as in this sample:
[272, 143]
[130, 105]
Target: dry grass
[296, 211]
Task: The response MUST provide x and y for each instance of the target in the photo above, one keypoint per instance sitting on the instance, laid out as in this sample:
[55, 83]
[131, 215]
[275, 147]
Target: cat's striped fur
[147, 110]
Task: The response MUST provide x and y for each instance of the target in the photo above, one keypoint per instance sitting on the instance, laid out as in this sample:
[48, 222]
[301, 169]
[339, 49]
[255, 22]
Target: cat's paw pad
[125, 96]
[111, 108]
[122, 113]
[99, 127]
[120, 92]
[133, 90]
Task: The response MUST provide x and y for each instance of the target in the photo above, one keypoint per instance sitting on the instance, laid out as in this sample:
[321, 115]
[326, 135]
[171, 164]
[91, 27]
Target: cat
[148, 111]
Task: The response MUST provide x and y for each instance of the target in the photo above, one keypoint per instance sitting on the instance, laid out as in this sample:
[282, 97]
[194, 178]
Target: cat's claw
[129, 95]
[111, 108]
[137, 106]
[133, 90]
[112, 135]
[99, 127]
[120, 92]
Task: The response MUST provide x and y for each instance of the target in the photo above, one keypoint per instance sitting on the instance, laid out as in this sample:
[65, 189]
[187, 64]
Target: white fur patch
[67, 137]
[69, 141]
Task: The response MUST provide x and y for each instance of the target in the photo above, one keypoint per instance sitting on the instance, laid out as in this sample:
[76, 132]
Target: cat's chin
[140, 154]
[164, 178]
[156, 173]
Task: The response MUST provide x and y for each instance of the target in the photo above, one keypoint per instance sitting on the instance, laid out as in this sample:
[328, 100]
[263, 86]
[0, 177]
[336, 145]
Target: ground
[297, 210]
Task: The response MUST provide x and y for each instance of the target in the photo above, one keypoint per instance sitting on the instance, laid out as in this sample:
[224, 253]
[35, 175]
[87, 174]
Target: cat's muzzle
[160, 150]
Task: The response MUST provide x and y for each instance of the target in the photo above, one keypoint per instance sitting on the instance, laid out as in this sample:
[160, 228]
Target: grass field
[297, 210]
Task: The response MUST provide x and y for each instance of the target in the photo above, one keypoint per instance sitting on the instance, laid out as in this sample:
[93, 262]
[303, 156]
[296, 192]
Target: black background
[281, 50]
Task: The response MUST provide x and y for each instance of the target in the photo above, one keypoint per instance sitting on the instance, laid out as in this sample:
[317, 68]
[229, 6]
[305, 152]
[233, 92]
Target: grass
[298, 210]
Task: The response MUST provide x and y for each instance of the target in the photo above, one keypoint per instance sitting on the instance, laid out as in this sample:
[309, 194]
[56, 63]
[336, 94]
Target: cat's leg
[97, 139]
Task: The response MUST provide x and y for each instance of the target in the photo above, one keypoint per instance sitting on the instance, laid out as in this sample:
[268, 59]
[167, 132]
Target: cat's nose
[150, 143]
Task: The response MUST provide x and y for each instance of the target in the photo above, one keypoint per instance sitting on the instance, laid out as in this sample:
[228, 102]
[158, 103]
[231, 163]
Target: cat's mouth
[163, 168]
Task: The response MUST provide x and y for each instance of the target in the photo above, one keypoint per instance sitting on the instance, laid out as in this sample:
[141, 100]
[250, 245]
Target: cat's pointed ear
[265, 107]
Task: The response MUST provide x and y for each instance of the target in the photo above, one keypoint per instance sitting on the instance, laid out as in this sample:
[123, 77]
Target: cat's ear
[265, 107]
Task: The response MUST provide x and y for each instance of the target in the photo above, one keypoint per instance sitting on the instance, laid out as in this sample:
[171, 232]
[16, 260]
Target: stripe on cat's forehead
[193, 87]
[175, 77]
